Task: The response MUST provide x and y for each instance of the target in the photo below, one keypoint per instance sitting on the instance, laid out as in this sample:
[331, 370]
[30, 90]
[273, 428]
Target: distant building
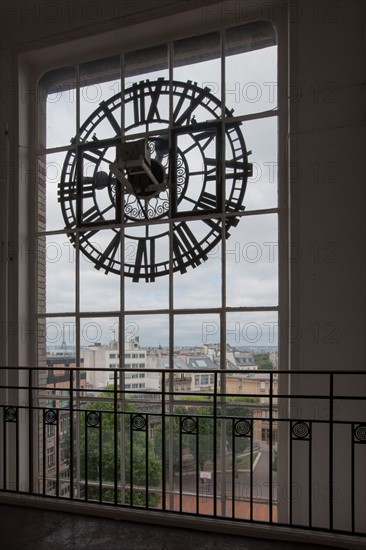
[57, 434]
[258, 385]
[107, 357]
[235, 359]
[202, 381]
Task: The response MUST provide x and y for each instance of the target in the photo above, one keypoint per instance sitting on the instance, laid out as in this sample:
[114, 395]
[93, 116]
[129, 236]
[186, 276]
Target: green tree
[108, 450]
[172, 428]
[263, 361]
[203, 430]
[236, 409]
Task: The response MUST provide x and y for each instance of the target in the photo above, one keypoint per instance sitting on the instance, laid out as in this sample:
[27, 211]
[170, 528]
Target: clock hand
[100, 181]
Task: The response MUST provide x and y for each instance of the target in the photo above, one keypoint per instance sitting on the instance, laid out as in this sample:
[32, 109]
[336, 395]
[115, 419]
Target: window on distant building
[50, 457]
[50, 430]
[204, 379]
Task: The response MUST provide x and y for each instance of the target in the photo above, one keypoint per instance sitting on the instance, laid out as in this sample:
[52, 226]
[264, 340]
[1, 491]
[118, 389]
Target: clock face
[157, 173]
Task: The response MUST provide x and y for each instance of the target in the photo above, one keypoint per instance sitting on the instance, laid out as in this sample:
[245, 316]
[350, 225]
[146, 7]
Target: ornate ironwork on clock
[192, 168]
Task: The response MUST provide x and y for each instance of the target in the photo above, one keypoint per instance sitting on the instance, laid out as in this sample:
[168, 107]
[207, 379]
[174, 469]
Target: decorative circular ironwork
[360, 433]
[242, 427]
[50, 416]
[139, 422]
[10, 414]
[300, 430]
[93, 419]
[189, 425]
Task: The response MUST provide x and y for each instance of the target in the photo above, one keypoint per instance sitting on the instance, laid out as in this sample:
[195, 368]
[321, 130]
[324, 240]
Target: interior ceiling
[25, 21]
[245, 38]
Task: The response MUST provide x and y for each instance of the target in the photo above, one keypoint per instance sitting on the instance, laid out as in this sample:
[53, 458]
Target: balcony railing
[262, 447]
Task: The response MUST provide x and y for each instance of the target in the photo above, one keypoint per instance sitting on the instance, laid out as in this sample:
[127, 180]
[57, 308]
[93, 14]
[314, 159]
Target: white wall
[327, 153]
[327, 145]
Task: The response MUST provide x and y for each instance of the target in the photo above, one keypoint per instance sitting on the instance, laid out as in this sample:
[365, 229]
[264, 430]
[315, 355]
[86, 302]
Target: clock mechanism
[185, 177]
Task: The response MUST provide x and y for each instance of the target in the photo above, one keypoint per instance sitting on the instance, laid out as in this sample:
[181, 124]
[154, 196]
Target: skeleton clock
[180, 159]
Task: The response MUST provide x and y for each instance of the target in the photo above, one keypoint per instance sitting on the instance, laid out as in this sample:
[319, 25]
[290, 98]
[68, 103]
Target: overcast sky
[252, 266]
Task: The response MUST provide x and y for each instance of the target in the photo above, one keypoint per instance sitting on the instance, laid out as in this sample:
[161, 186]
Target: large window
[158, 244]
[157, 194]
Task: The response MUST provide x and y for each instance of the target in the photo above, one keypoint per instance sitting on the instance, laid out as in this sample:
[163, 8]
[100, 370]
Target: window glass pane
[198, 61]
[146, 256]
[100, 89]
[262, 187]
[56, 262]
[57, 339]
[57, 102]
[53, 212]
[253, 331]
[146, 332]
[99, 270]
[197, 330]
[251, 70]
[252, 262]
[98, 338]
[146, 90]
[200, 285]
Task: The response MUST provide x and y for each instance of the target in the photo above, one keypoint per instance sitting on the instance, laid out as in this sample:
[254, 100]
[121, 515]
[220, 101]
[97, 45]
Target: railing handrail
[194, 370]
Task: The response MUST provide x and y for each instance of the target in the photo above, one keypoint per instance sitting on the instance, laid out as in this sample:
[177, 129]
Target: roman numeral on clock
[67, 192]
[204, 138]
[91, 215]
[233, 206]
[155, 95]
[111, 119]
[237, 169]
[209, 202]
[94, 155]
[138, 98]
[107, 259]
[85, 236]
[195, 101]
[145, 261]
[186, 248]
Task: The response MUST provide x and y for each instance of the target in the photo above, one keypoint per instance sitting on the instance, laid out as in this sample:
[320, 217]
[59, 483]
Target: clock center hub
[142, 185]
